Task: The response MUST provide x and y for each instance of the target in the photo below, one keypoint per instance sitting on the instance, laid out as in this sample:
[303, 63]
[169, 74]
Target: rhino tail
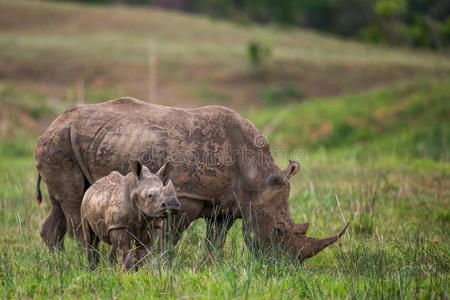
[38, 190]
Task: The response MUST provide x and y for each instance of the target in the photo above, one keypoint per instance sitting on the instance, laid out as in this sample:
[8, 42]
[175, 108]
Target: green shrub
[210, 94]
[443, 215]
[390, 8]
[39, 110]
[258, 53]
[372, 34]
[432, 142]
[281, 95]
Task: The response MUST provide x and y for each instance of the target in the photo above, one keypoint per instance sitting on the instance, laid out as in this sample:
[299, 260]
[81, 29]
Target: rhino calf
[126, 212]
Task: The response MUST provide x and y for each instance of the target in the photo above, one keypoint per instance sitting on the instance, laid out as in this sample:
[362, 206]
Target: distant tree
[419, 23]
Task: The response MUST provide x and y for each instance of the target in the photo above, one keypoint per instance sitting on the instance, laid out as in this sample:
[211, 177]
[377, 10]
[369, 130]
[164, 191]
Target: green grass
[395, 196]
[377, 145]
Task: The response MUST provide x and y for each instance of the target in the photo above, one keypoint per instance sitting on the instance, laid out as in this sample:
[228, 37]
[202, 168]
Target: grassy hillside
[49, 47]
[409, 120]
[372, 135]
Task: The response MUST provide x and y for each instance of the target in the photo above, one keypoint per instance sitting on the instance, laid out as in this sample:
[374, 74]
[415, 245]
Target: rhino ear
[136, 167]
[139, 170]
[163, 173]
[145, 172]
[292, 169]
[275, 179]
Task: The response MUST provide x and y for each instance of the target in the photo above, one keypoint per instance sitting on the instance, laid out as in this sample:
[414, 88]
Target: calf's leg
[91, 243]
[123, 243]
[146, 242]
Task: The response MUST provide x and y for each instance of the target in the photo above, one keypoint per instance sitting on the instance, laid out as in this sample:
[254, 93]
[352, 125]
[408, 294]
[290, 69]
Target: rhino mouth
[171, 209]
[170, 206]
[165, 213]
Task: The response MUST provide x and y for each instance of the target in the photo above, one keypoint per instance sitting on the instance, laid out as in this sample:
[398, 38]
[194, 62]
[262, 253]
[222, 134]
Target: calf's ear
[164, 171]
[145, 172]
[292, 169]
[139, 169]
[135, 167]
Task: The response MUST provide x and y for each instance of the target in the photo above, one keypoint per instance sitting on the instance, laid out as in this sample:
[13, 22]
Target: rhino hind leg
[74, 224]
[54, 227]
[67, 189]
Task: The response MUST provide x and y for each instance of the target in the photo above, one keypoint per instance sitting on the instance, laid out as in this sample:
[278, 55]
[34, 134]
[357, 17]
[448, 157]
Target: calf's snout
[171, 203]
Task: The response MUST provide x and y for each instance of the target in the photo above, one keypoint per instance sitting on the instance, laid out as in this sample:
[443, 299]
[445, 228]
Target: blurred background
[360, 87]
[242, 54]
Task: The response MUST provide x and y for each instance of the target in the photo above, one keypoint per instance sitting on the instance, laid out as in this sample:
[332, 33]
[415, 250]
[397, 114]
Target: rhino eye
[150, 195]
[277, 231]
[300, 234]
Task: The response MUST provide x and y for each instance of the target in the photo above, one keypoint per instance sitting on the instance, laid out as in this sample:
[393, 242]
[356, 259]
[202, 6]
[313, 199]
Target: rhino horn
[169, 186]
[312, 246]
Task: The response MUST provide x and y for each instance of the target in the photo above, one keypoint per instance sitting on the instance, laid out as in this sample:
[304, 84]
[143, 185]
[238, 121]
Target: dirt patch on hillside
[23, 15]
[322, 80]
[54, 72]
[35, 16]
[203, 75]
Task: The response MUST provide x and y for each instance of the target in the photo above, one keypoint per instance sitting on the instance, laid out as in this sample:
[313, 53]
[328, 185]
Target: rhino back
[53, 153]
[201, 143]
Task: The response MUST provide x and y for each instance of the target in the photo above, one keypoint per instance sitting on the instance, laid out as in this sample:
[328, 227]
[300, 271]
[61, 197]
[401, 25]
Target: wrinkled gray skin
[126, 211]
[222, 169]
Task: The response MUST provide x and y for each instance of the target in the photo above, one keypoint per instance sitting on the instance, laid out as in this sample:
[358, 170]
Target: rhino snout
[171, 203]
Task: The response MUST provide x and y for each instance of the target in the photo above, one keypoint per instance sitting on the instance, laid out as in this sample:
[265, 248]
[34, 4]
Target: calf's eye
[150, 195]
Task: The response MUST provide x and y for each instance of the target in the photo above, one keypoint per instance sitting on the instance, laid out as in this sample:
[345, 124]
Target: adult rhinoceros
[220, 164]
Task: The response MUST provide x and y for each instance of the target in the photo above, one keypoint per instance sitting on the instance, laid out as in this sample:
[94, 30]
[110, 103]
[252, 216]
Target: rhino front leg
[174, 226]
[141, 256]
[112, 257]
[122, 241]
[145, 243]
[217, 228]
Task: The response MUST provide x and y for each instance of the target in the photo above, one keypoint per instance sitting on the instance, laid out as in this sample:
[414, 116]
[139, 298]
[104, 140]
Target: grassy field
[372, 133]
